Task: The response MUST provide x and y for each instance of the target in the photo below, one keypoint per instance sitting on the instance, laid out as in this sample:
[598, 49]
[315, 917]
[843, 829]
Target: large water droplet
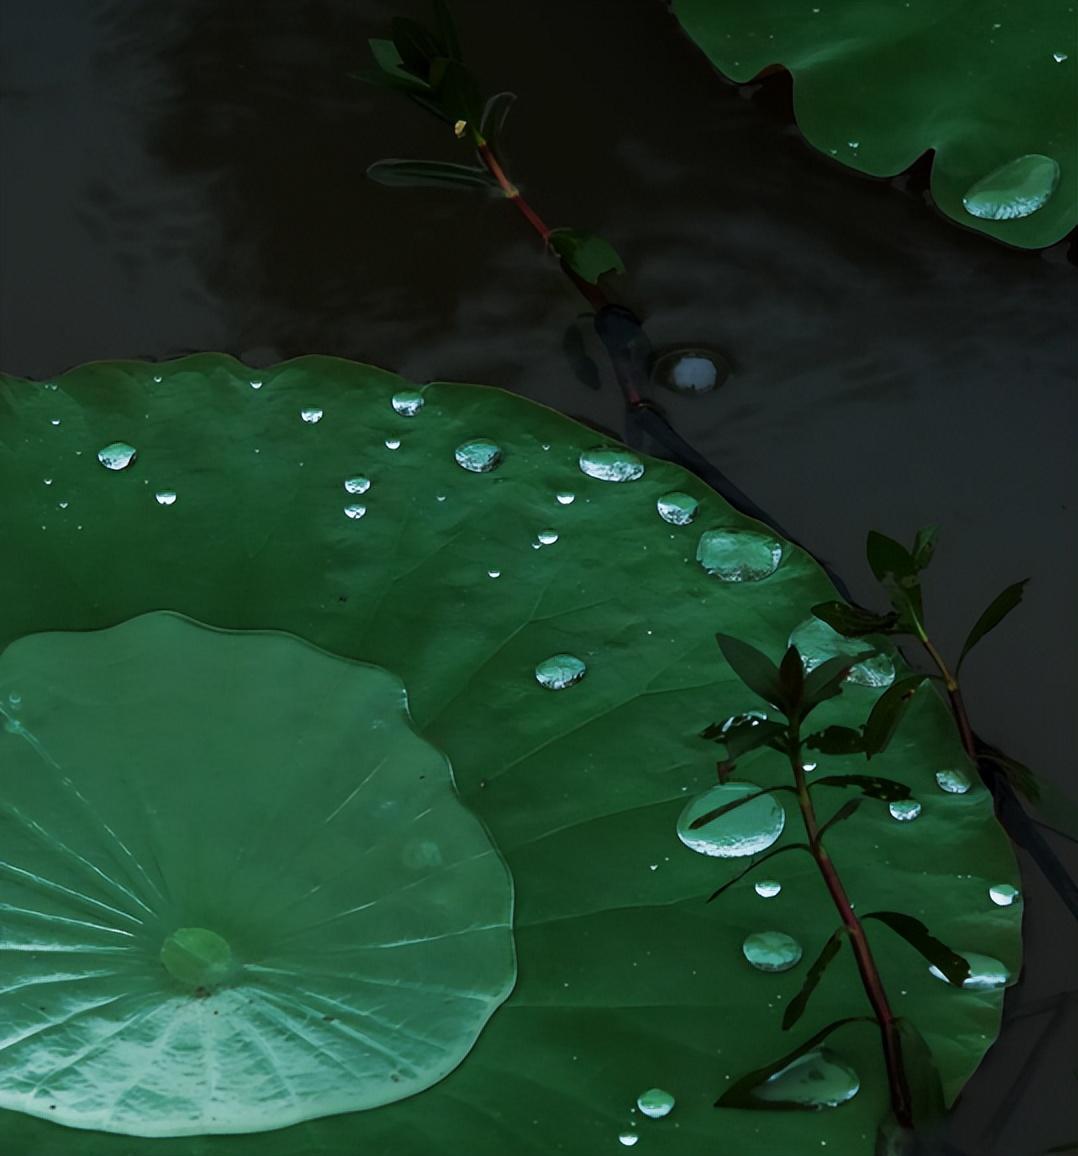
[408, 402]
[311, 414]
[767, 888]
[628, 1139]
[610, 465]
[547, 537]
[738, 555]
[559, 671]
[953, 781]
[1003, 894]
[745, 830]
[357, 485]
[691, 370]
[655, 1103]
[985, 973]
[165, 497]
[904, 810]
[479, 456]
[1016, 189]
[818, 1079]
[771, 950]
[117, 456]
[816, 642]
[677, 508]
[355, 511]
[564, 498]
[197, 957]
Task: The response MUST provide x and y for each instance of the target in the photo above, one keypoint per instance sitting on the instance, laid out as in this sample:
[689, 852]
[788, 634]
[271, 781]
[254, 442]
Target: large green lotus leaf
[461, 583]
[877, 84]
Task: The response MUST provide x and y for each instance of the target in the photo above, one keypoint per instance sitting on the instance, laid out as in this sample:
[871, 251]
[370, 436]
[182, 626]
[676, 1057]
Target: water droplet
[357, 485]
[494, 573]
[547, 537]
[854, 144]
[691, 370]
[355, 511]
[440, 497]
[54, 421]
[157, 378]
[565, 498]
[610, 465]
[771, 950]
[256, 384]
[738, 555]
[655, 1103]
[628, 1139]
[47, 481]
[165, 497]
[1003, 894]
[985, 973]
[117, 456]
[752, 717]
[408, 402]
[904, 810]
[393, 443]
[818, 1079]
[816, 642]
[808, 768]
[953, 781]
[479, 456]
[745, 830]
[1014, 190]
[677, 508]
[559, 671]
[63, 505]
[768, 888]
[14, 700]
[311, 414]
[1059, 57]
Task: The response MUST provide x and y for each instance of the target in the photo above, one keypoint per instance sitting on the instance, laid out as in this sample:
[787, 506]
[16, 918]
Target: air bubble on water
[655, 1103]
[771, 950]
[311, 414]
[478, 456]
[560, 671]
[816, 642]
[904, 810]
[165, 497]
[1003, 894]
[407, 402]
[744, 830]
[611, 465]
[357, 485]
[564, 498]
[985, 973]
[953, 781]
[816, 1080]
[738, 555]
[355, 511]
[393, 443]
[117, 456]
[677, 508]
[1014, 190]
[767, 888]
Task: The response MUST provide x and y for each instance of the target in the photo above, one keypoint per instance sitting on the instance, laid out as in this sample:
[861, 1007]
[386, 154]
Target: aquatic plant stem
[901, 1101]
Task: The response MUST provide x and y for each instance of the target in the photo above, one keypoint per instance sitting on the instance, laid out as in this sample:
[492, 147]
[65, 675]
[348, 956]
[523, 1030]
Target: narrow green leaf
[715, 812]
[744, 735]
[388, 59]
[889, 559]
[739, 1095]
[924, 546]
[402, 82]
[914, 932]
[587, 254]
[457, 90]
[447, 35]
[791, 681]
[888, 712]
[825, 681]
[1024, 781]
[796, 1007]
[492, 119]
[852, 621]
[922, 1074]
[889, 790]
[400, 173]
[756, 863]
[836, 740]
[418, 49]
[842, 814]
[999, 608]
[754, 668]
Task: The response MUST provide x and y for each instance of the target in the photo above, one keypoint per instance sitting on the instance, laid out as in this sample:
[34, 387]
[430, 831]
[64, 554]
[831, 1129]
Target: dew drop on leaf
[771, 950]
[953, 781]
[816, 642]
[357, 485]
[559, 671]
[744, 830]
[628, 1139]
[311, 414]
[677, 508]
[547, 537]
[610, 465]
[985, 973]
[818, 1079]
[1003, 894]
[355, 511]
[1016, 189]
[738, 555]
[116, 455]
[393, 443]
[165, 497]
[655, 1103]
[478, 456]
[767, 888]
[904, 810]
[565, 498]
[408, 402]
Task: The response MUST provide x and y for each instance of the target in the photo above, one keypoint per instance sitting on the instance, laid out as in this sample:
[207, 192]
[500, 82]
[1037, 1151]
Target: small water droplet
[767, 888]
[54, 421]
[357, 485]
[157, 378]
[904, 810]
[1059, 57]
[560, 671]
[565, 498]
[771, 950]
[1003, 894]
[690, 370]
[478, 456]
[393, 443]
[738, 555]
[63, 505]
[816, 1080]
[439, 497]
[808, 768]
[408, 402]
[311, 414]
[752, 717]
[953, 781]
[14, 700]
[1014, 190]
[655, 1103]
[816, 642]
[256, 384]
[611, 465]
[494, 573]
[628, 1139]
[117, 456]
[47, 481]
[854, 144]
[677, 508]
[165, 497]
[744, 830]
[355, 511]
[547, 537]
[985, 973]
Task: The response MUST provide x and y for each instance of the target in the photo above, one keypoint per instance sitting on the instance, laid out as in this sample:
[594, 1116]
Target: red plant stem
[901, 1102]
[954, 695]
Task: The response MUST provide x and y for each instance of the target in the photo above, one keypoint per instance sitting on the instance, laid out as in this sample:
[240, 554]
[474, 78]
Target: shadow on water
[191, 176]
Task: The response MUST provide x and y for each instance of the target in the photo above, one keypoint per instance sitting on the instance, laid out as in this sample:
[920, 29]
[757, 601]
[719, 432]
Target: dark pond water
[191, 177]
